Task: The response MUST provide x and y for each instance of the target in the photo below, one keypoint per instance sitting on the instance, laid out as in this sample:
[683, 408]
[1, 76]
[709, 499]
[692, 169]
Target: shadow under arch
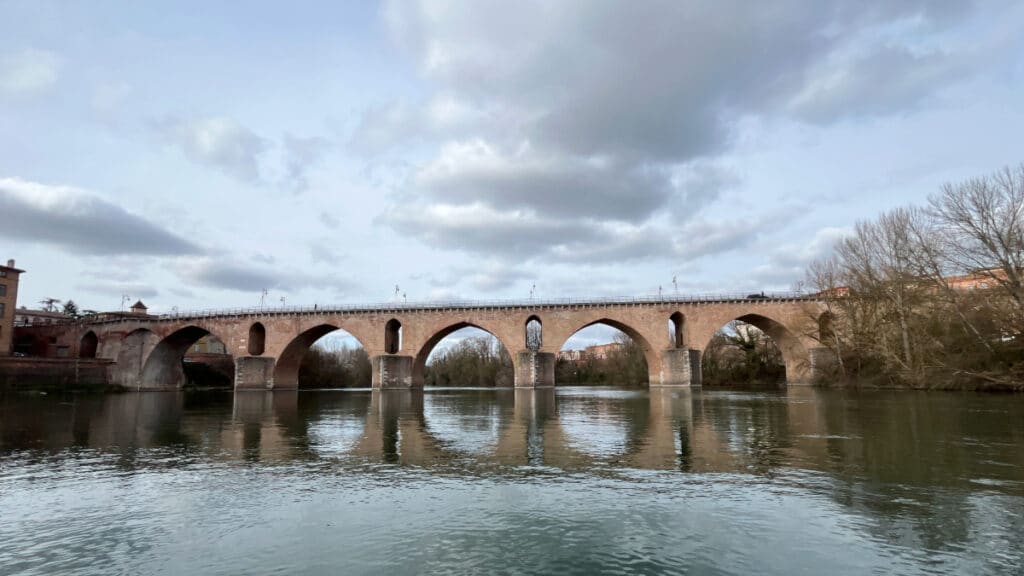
[650, 354]
[286, 369]
[419, 364]
[163, 366]
[794, 353]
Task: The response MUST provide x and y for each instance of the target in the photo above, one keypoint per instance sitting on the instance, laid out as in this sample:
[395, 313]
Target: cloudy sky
[193, 154]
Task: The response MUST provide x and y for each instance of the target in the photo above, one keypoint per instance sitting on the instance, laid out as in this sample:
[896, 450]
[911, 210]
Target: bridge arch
[88, 345]
[419, 364]
[163, 366]
[650, 353]
[286, 369]
[795, 355]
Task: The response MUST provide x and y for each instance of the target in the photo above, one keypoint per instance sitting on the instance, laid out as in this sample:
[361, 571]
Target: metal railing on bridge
[399, 306]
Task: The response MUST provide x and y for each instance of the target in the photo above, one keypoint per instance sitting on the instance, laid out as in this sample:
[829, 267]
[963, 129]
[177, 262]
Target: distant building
[602, 351]
[9, 277]
[208, 345]
[26, 317]
[596, 352]
[981, 280]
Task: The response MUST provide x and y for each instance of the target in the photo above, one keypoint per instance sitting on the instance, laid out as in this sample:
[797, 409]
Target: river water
[470, 481]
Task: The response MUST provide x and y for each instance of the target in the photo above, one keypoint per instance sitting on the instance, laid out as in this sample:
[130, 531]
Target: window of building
[3, 289]
[2, 309]
[3, 273]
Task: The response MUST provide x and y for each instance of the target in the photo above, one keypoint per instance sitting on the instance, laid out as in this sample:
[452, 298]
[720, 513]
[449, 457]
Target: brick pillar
[680, 368]
[392, 371]
[534, 369]
[255, 373]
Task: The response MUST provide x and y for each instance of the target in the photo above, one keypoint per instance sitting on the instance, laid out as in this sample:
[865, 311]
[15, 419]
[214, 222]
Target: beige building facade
[9, 277]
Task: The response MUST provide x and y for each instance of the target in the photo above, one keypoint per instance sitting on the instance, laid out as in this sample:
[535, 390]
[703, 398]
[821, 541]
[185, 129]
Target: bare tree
[982, 221]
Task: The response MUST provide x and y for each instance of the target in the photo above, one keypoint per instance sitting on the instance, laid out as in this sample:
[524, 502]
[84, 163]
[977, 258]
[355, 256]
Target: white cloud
[220, 143]
[28, 72]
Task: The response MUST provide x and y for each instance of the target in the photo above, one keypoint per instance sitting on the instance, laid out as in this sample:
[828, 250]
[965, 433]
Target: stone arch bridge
[268, 345]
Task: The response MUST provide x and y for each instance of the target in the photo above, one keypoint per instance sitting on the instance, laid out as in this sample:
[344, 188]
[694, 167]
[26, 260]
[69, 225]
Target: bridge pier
[823, 364]
[393, 371]
[534, 369]
[256, 373]
[680, 368]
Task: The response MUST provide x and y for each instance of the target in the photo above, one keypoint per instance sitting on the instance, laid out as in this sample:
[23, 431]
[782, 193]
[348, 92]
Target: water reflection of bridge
[559, 429]
[661, 429]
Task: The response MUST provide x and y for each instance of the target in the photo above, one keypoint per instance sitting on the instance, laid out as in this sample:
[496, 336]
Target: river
[484, 481]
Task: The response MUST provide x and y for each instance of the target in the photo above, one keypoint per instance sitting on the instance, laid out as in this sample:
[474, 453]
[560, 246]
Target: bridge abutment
[256, 373]
[534, 369]
[680, 368]
[393, 371]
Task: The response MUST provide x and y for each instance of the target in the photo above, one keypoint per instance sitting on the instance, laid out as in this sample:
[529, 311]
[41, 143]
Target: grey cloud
[569, 120]
[482, 230]
[552, 185]
[81, 222]
[883, 82]
[133, 289]
[244, 277]
[661, 83]
[300, 154]
[218, 142]
[329, 220]
[786, 265]
[383, 127]
[215, 273]
[321, 252]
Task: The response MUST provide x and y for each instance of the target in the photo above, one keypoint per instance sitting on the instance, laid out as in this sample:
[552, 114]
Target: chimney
[10, 263]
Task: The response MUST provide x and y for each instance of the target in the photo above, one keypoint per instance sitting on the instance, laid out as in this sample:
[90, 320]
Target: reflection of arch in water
[286, 369]
[419, 365]
[467, 421]
[651, 358]
[163, 367]
[794, 353]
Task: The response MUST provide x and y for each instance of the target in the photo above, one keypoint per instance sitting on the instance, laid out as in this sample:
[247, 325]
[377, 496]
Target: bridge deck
[538, 304]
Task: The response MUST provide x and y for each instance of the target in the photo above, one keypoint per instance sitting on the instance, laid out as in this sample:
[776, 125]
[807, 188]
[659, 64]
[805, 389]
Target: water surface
[573, 481]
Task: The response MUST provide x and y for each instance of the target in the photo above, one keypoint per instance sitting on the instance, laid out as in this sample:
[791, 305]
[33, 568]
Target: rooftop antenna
[263, 297]
[397, 290]
[282, 301]
[533, 290]
[125, 299]
[675, 284]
